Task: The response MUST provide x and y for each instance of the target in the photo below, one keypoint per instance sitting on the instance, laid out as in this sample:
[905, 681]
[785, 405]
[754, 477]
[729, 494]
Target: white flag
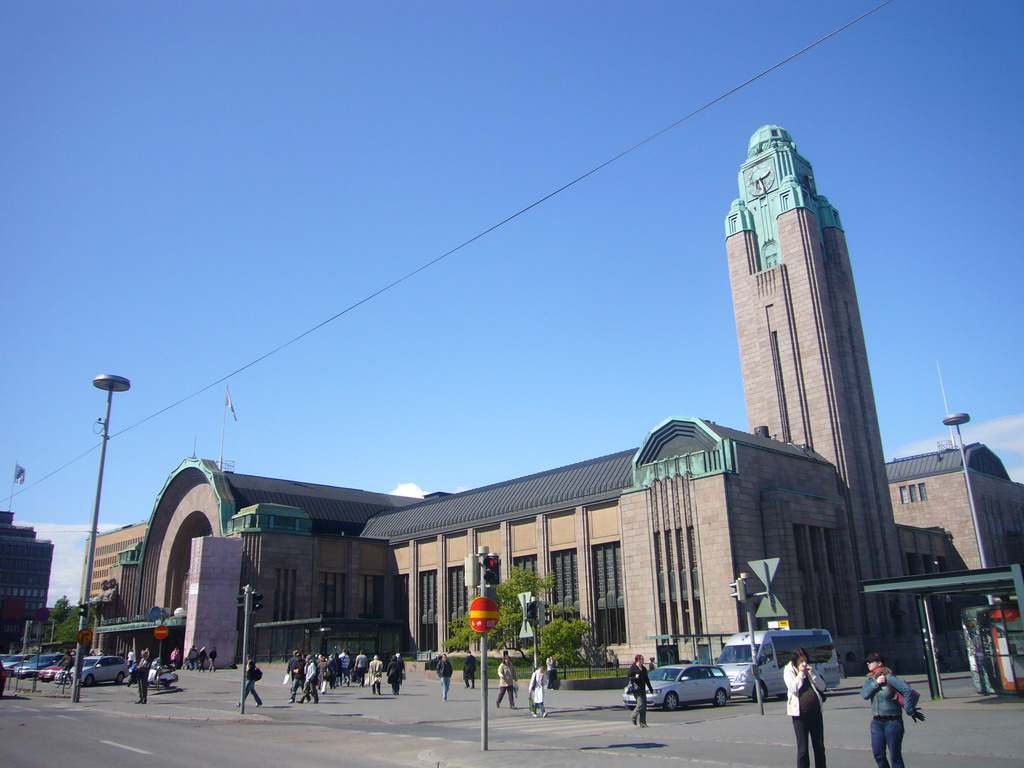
[19, 474]
[227, 402]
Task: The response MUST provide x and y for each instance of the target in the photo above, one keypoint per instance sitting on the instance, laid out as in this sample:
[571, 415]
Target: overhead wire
[393, 284]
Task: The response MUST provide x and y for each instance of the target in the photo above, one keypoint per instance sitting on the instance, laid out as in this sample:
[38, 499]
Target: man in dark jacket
[641, 684]
[296, 667]
[469, 670]
[444, 671]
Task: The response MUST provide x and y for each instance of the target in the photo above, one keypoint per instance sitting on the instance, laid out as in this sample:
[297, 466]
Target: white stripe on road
[66, 717]
[125, 746]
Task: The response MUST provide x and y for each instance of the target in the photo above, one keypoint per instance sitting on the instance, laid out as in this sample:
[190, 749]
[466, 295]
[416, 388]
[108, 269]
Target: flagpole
[10, 504]
[223, 425]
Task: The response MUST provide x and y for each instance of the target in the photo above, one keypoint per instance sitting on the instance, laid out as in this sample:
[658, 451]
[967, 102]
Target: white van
[774, 651]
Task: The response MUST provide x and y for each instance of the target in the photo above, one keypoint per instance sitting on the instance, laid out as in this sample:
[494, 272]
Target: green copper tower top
[774, 179]
[768, 137]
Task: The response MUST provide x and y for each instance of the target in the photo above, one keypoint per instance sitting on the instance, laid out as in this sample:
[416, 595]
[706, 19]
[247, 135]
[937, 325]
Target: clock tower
[802, 351]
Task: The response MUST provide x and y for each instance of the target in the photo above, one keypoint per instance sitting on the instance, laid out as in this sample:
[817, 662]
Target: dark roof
[332, 510]
[589, 480]
[979, 458]
[768, 443]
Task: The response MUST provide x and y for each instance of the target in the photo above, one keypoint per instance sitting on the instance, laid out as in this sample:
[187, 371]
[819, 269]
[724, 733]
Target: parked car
[103, 669]
[47, 674]
[675, 686]
[31, 667]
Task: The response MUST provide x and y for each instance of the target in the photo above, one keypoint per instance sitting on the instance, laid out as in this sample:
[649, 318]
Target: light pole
[955, 420]
[111, 384]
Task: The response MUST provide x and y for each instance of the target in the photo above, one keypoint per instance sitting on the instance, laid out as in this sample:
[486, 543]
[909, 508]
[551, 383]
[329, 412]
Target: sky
[186, 187]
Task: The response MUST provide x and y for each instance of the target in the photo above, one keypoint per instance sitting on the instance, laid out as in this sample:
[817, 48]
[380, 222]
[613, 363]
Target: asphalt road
[199, 726]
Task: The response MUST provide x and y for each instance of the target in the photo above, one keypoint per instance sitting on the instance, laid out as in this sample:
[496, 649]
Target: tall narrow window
[921, 492]
[566, 592]
[373, 597]
[457, 592]
[428, 611]
[401, 586]
[284, 594]
[609, 601]
[332, 593]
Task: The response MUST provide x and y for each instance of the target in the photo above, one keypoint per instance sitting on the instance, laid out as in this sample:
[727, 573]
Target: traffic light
[257, 601]
[739, 588]
[531, 612]
[241, 600]
[83, 610]
[542, 614]
[491, 569]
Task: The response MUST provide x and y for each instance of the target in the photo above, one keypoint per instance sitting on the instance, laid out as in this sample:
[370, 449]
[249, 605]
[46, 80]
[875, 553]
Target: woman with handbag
[639, 684]
[805, 693]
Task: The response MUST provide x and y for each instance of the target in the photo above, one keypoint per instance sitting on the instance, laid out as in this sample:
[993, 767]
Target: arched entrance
[195, 525]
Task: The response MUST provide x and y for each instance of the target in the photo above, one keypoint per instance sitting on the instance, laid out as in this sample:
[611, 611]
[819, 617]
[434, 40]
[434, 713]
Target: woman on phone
[804, 689]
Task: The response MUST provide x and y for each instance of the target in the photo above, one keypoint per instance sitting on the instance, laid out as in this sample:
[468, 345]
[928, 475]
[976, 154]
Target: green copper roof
[769, 137]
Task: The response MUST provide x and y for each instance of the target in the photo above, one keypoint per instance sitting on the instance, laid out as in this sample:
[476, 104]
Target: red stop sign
[483, 614]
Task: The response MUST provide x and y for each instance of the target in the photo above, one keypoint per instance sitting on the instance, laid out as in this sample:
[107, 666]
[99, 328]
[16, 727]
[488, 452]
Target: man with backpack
[296, 670]
[252, 675]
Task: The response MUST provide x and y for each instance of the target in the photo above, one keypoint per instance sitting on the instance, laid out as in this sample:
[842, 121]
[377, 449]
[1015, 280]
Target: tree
[566, 635]
[65, 620]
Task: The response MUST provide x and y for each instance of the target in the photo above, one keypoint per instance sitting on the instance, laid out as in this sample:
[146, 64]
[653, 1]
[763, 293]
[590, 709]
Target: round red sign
[160, 632]
[483, 614]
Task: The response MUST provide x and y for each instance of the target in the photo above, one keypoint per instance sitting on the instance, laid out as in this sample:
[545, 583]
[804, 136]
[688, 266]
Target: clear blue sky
[186, 186]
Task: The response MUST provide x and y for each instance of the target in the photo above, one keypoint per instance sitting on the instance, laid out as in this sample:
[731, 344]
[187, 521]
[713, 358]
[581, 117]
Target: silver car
[103, 669]
[675, 686]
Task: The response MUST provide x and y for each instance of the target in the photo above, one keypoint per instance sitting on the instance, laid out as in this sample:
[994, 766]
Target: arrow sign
[770, 607]
[765, 569]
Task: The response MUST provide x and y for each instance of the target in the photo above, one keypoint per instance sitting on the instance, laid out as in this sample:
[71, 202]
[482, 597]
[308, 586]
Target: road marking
[66, 717]
[29, 709]
[125, 746]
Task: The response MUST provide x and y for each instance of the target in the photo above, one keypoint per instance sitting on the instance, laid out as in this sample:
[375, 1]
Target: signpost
[483, 614]
[84, 637]
[160, 632]
[43, 615]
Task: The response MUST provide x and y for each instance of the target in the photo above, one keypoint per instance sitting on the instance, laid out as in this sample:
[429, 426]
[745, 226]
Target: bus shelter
[997, 640]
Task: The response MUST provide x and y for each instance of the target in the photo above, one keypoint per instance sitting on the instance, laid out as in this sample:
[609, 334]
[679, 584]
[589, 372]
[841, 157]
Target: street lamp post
[955, 420]
[111, 384]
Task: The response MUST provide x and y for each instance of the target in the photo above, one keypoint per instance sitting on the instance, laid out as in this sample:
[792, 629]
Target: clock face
[759, 178]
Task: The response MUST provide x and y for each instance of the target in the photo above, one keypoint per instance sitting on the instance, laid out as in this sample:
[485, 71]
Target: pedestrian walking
[130, 658]
[213, 659]
[201, 659]
[538, 681]
[344, 665]
[469, 670]
[309, 685]
[553, 683]
[396, 673]
[176, 658]
[143, 677]
[376, 671]
[193, 657]
[639, 685]
[804, 700]
[360, 668]
[445, 672]
[296, 669]
[253, 674]
[506, 681]
[323, 669]
[332, 670]
[887, 729]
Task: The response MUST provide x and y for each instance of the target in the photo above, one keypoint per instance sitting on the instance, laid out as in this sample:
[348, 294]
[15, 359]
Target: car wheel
[119, 679]
[764, 693]
[721, 697]
[671, 701]
[89, 681]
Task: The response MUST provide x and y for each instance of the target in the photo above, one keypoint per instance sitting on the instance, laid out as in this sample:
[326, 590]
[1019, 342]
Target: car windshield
[664, 673]
[91, 661]
[735, 654]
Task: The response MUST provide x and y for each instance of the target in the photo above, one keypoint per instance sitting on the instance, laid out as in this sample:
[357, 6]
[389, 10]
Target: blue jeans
[250, 687]
[445, 685]
[887, 733]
